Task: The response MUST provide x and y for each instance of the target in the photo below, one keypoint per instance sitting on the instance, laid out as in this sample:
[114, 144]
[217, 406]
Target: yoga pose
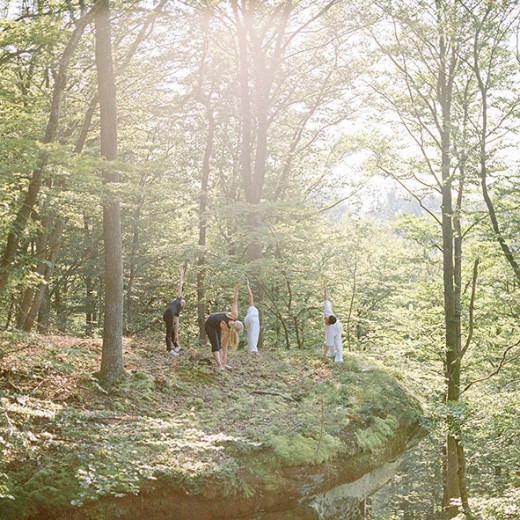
[252, 322]
[222, 329]
[171, 319]
[333, 330]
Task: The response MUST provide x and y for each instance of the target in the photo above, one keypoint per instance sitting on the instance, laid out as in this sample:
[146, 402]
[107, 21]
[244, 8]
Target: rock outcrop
[281, 436]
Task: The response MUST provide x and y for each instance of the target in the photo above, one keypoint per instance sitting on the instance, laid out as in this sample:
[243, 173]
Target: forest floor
[66, 440]
[61, 369]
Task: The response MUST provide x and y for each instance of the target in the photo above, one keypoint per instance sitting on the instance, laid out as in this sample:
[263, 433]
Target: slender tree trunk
[44, 313]
[54, 247]
[10, 313]
[351, 305]
[203, 223]
[451, 291]
[112, 367]
[61, 317]
[90, 303]
[506, 250]
[41, 252]
[245, 103]
[461, 460]
[129, 322]
[90, 299]
[98, 314]
[452, 253]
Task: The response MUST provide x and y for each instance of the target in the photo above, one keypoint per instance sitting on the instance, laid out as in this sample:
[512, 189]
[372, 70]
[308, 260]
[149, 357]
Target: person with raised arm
[252, 322]
[333, 330]
[222, 328]
[171, 319]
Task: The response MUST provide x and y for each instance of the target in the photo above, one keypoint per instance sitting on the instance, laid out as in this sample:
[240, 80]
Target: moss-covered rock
[177, 439]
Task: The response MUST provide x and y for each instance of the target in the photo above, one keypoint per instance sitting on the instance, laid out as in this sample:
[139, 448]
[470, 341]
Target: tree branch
[489, 376]
[471, 308]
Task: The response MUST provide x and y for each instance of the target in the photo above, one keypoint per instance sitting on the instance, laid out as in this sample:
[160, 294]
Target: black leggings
[213, 333]
[170, 330]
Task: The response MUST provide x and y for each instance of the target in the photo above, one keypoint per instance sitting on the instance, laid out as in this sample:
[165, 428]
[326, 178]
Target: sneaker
[173, 353]
[222, 368]
[228, 367]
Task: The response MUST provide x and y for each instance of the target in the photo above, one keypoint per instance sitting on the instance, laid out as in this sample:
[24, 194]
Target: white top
[330, 330]
[252, 311]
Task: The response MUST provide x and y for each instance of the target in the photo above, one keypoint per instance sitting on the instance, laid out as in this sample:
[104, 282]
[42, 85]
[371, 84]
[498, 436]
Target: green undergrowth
[66, 441]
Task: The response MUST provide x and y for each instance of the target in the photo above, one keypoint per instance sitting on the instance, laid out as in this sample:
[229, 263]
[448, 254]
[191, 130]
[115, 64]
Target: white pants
[335, 346]
[252, 323]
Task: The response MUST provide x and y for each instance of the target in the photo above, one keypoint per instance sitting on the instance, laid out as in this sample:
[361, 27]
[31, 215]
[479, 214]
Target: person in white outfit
[252, 322]
[333, 330]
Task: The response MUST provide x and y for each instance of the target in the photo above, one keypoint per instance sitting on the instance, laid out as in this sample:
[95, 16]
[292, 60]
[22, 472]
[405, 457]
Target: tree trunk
[461, 459]
[9, 313]
[41, 252]
[44, 313]
[451, 291]
[129, 322]
[90, 304]
[54, 246]
[203, 223]
[61, 317]
[90, 299]
[112, 367]
[506, 250]
[452, 251]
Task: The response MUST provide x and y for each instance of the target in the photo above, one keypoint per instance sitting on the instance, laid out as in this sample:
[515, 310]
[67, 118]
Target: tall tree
[263, 41]
[112, 367]
[428, 50]
[31, 196]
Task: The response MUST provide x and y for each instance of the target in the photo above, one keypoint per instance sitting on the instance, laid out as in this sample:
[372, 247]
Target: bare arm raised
[234, 306]
[181, 281]
[250, 294]
[327, 306]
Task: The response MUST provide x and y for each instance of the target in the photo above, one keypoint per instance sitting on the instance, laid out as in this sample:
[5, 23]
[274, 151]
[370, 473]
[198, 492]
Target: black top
[174, 308]
[215, 319]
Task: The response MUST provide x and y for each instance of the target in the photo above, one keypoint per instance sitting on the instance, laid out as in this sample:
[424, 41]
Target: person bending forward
[222, 328]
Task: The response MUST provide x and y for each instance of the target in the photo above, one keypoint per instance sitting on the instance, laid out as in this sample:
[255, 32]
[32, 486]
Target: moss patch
[294, 450]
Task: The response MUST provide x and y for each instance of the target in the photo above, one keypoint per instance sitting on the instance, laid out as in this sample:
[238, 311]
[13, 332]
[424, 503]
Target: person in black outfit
[223, 328]
[171, 319]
